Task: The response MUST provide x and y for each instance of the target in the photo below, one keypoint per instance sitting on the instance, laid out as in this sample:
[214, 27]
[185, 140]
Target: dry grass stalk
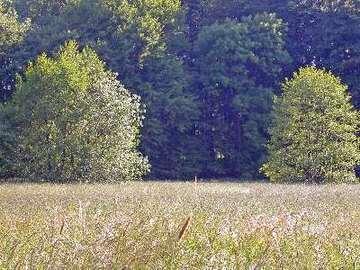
[184, 228]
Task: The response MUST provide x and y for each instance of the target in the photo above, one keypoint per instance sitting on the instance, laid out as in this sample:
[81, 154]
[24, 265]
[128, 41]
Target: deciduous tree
[71, 119]
[238, 65]
[313, 134]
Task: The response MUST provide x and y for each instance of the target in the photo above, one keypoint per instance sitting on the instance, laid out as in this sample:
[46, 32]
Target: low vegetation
[179, 226]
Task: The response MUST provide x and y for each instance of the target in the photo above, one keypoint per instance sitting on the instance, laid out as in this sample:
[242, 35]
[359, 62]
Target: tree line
[206, 72]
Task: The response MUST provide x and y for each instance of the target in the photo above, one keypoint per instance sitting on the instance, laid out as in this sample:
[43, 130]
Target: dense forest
[206, 71]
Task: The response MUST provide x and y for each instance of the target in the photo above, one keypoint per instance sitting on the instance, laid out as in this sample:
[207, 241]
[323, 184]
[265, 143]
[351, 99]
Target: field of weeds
[179, 226]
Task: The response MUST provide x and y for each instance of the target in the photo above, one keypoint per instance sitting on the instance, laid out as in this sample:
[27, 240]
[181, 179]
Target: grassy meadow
[152, 225]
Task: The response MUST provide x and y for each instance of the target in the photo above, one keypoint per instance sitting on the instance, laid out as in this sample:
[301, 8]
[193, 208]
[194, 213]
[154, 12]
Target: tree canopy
[206, 70]
[313, 137]
[238, 65]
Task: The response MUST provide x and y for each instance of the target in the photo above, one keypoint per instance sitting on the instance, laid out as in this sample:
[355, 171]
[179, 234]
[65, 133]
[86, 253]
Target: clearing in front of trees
[179, 225]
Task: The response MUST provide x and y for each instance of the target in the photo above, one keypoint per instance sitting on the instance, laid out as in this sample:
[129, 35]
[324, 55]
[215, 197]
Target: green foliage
[54, 24]
[152, 69]
[313, 135]
[323, 33]
[6, 143]
[238, 66]
[72, 119]
[40, 11]
[140, 26]
[193, 18]
[132, 37]
[205, 69]
[326, 5]
[11, 30]
[328, 37]
[168, 134]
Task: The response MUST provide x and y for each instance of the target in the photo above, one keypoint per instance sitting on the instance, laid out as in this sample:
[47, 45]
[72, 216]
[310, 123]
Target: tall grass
[179, 226]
